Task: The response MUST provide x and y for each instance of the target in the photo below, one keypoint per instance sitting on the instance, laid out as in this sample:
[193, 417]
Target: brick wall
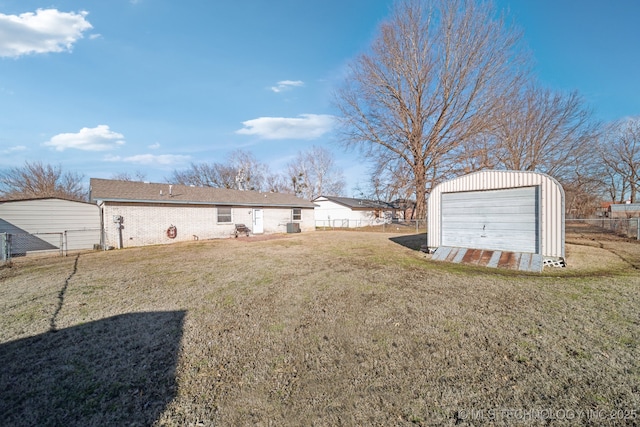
[147, 224]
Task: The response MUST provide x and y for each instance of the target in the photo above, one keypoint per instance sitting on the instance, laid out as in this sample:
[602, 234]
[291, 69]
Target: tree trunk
[420, 180]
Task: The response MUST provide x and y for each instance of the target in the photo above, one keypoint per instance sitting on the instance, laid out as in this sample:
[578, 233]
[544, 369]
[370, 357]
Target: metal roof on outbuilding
[27, 199]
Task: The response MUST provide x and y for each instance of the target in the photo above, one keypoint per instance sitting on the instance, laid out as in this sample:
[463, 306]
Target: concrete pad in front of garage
[521, 261]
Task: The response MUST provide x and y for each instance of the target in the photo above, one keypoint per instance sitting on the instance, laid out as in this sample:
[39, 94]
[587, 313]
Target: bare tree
[390, 181]
[127, 176]
[545, 131]
[583, 195]
[241, 171]
[616, 187]
[436, 75]
[475, 154]
[215, 175]
[314, 173]
[277, 183]
[250, 174]
[35, 180]
[297, 183]
[620, 153]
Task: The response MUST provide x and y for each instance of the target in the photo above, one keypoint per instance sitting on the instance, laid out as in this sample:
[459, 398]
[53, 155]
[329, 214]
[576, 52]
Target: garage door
[505, 220]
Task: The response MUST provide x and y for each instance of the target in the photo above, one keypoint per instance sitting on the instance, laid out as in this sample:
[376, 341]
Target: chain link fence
[378, 224]
[625, 227]
[5, 247]
[20, 244]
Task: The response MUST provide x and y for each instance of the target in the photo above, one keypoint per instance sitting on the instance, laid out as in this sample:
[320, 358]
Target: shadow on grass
[413, 241]
[115, 371]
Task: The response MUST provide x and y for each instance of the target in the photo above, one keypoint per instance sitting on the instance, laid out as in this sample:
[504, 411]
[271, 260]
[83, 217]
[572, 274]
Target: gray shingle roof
[357, 203]
[129, 191]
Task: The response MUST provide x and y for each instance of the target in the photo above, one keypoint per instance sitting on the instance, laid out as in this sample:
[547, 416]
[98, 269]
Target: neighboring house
[604, 209]
[405, 209]
[345, 212]
[140, 213]
[624, 210]
[50, 224]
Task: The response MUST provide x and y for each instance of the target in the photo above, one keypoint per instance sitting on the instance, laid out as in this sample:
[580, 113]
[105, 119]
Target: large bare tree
[36, 179]
[435, 77]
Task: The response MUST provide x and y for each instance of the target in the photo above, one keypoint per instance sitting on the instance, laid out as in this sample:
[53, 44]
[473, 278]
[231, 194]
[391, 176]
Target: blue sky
[105, 87]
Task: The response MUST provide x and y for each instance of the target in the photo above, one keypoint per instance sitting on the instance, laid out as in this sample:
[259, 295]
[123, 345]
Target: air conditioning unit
[293, 227]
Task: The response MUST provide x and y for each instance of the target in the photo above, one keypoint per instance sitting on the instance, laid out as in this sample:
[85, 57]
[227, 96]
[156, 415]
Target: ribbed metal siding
[551, 208]
[80, 220]
[501, 220]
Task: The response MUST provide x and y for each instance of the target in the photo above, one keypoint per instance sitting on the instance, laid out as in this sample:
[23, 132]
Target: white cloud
[305, 126]
[154, 146]
[286, 85]
[149, 159]
[14, 149]
[100, 138]
[46, 30]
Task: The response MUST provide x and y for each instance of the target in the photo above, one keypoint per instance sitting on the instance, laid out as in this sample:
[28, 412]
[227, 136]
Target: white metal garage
[513, 211]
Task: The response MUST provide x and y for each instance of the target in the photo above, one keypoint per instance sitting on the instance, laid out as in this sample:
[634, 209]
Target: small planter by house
[495, 218]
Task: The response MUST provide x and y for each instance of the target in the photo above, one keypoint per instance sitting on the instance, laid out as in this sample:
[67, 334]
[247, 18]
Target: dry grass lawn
[326, 328]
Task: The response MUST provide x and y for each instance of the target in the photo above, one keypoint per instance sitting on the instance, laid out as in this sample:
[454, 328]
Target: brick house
[140, 213]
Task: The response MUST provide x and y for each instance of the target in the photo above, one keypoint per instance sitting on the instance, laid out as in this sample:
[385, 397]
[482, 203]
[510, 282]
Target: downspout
[103, 243]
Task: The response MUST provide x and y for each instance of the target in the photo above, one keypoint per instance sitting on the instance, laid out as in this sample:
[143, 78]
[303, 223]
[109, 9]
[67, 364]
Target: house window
[296, 214]
[224, 215]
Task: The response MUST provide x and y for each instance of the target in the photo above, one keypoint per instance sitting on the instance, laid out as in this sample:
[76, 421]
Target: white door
[258, 224]
[506, 220]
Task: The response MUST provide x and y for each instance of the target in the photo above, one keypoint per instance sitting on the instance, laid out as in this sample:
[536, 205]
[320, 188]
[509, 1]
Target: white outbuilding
[346, 212]
[49, 224]
[499, 211]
